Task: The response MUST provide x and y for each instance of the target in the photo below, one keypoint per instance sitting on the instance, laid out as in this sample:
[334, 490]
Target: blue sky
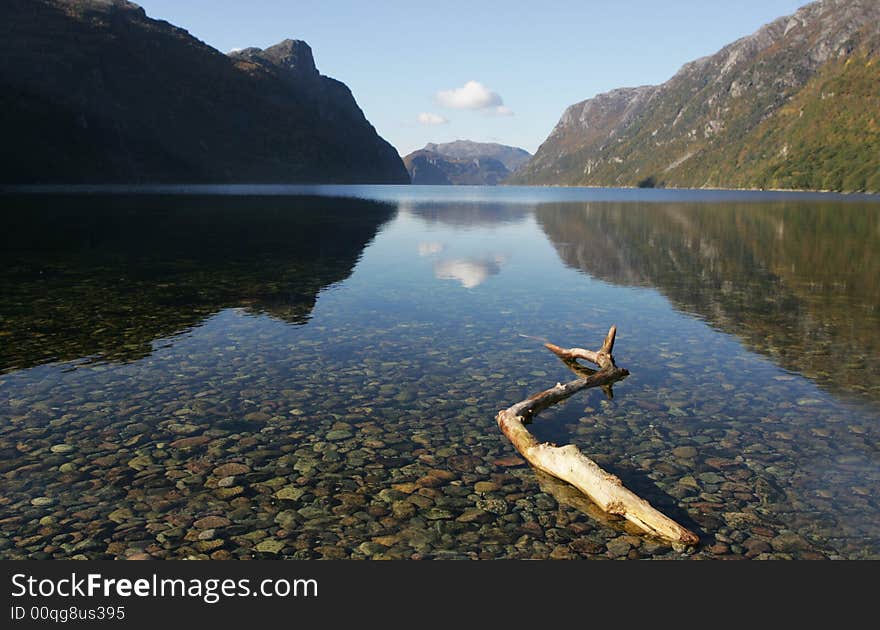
[493, 71]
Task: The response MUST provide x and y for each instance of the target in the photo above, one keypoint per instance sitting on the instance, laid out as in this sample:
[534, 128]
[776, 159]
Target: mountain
[464, 163]
[511, 157]
[94, 91]
[428, 167]
[794, 105]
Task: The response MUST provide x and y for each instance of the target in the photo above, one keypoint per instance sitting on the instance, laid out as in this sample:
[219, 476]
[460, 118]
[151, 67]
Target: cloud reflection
[430, 248]
[470, 272]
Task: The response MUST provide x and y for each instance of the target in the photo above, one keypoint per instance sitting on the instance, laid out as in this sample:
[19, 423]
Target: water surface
[314, 372]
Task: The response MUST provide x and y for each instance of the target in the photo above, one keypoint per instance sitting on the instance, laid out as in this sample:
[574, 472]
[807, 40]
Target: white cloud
[427, 118]
[473, 95]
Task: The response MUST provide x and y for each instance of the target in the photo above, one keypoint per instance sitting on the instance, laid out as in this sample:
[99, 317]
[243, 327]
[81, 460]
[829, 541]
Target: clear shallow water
[266, 375]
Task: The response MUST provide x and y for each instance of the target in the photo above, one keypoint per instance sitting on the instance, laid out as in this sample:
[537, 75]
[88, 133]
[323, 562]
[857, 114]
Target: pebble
[140, 462]
[719, 548]
[406, 488]
[562, 552]
[338, 434]
[120, 515]
[140, 555]
[471, 515]
[493, 504]
[789, 542]
[420, 500]
[403, 510]
[689, 482]
[228, 492]
[287, 519]
[587, 547]
[211, 522]
[370, 548]
[191, 442]
[290, 493]
[756, 546]
[257, 416]
[230, 470]
[685, 452]
[509, 461]
[270, 545]
[311, 512]
[710, 477]
[486, 486]
[619, 546]
[739, 520]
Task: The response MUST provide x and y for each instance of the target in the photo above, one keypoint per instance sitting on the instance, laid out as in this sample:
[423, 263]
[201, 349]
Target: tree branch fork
[568, 463]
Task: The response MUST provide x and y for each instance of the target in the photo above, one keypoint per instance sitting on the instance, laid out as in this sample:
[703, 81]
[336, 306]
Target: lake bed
[265, 372]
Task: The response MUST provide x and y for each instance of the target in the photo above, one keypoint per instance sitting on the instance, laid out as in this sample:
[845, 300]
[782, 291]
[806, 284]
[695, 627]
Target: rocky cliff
[794, 105]
[94, 91]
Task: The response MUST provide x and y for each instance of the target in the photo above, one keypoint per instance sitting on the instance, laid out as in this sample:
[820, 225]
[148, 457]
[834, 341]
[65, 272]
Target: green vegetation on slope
[794, 105]
[826, 138]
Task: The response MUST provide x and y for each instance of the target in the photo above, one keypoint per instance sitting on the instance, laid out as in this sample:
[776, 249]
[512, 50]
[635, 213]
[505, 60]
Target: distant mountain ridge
[511, 157]
[464, 162]
[94, 91]
[794, 105]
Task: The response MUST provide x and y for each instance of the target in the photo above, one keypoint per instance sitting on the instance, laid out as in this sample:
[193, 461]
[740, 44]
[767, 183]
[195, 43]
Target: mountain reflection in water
[796, 282]
[105, 276]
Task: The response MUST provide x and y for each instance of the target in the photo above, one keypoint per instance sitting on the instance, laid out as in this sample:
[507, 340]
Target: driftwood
[568, 463]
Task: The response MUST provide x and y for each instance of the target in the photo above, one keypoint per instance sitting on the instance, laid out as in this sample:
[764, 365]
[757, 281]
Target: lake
[314, 372]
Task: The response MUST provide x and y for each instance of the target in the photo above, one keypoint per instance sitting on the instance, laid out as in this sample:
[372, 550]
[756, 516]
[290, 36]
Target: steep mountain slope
[463, 163]
[793, 105]
[95, 91]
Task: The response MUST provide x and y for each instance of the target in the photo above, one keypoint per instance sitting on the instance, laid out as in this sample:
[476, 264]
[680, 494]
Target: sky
[487, 71]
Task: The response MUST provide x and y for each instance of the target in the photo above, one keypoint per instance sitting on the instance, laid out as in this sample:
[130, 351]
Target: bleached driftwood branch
[568, 463]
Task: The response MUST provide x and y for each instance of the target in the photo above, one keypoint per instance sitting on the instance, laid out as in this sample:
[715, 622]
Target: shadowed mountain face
[94, 91]
[794, 105]
[104, 277]
[797, 283]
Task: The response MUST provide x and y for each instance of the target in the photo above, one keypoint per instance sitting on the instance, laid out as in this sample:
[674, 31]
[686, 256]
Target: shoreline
[311, 188]
[707, 189]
